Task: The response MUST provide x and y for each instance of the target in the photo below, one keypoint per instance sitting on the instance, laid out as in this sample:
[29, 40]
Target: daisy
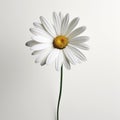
[59, 42]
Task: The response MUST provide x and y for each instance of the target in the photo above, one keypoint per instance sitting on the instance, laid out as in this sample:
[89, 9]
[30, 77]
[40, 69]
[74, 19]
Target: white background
[91, 90]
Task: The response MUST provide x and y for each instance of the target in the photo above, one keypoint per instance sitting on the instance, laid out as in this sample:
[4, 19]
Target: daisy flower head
[59, 42]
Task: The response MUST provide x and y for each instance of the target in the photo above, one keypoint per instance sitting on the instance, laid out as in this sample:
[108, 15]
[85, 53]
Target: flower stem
[60, 93]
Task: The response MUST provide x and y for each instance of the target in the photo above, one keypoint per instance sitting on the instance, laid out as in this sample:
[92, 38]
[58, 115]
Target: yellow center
[60, 42]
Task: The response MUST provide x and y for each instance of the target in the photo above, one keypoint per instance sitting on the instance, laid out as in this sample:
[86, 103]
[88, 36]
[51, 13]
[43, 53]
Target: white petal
[59, 61]
[70, 56]
[72, 25]
[81, 46]
[57, 23]
[31, 43]
[64, 25]
[40, 46]
[41, 39]
[61, 16]
[76, 32]
[42, 59]
[36, 52]
[80, 39]
[66, 62]
[40, 32]
[42, 56]
[38, 25]
[77, 52]
[49, 28]
[41, 51]
[52, 56]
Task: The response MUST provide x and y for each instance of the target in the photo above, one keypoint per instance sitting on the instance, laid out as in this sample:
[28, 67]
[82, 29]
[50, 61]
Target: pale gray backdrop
[91, 90]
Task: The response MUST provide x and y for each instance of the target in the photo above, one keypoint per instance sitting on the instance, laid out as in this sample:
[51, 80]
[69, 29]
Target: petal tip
[32, 53]
[77, 19]
[30, 29]
[26, 44]
[87, 37]
[41, 18]
[84, 27]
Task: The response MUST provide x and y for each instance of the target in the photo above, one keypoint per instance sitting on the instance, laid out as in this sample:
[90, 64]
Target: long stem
[61, 79]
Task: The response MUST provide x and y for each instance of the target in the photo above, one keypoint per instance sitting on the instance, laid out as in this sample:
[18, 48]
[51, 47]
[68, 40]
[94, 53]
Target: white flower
[58, 42]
